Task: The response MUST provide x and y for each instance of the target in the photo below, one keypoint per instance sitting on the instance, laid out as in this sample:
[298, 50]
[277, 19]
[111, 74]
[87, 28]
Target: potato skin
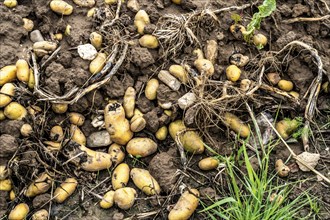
[120, 176]
[15, 111]
[22, 70]
[116, 154]
[124, 198]
[65, 190]
[185, 207]
[204, 66]
[61, 7]
[141, 19]
[7, 74]
[144, 181]
[56, 133]
[31, 81]
[141, 147]
[129, 102]
[233, 122]
[108, 200]
[148, 41]
[6, 93]
[19, 212]
[208, 163]
[233, 73]
[41, 185]
[98, 63]
[151, 89]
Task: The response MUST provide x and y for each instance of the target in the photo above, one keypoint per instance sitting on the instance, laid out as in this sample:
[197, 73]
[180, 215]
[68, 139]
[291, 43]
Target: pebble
[187, 100]
[133, 5]
[99, 139]
[87, 51]
[36, 36]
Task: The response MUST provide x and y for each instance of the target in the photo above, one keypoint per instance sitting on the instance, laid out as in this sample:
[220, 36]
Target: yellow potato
[56, 133]
[190, 140]
[39, 186]
[124, 198]
[58, 36]
[31, 81]
[116, 154]
[34, 110]
[260, 40]
[12, 195]
[151, 89]
[141, 20]
[61, 7]
[237, 30]
[161, 134]
[285, 85]
[26, 130]
[6, 185]
[204, 66]
[10, 3]
[67, 31]
[144, 181]
[120, 176]
[45, 45]
[281, 169]
[129, 102]
[168, 112]
[4, 172]
[59, 108]
[84, 3]
[6, 93]
[186, 206]
[65, 190]
[28, 24]
[148, 41]
[76, 118]
[233, 73]
[19, 212]
[53, 146]
[77, 135]
[179, 72]
[178, 2]
[141, 147]
[15, 111]
[286, 127]
[96, 40]
[2, 115]
[325, 87]
[116, 123]
[42, 214]
[138, 123]
[98, 63]
[233, 122]
[91, 12]
[107, 200]
[208, 163]
[7, 74]
[294, 94]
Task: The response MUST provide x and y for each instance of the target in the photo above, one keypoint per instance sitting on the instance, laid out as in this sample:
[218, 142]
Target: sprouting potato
[233, 73]
[53, 146]
[7, 74]
[151, 89]
[107, 200]
[12, 195]
[76, 118]
[203, 65]
[116, 154]
[148, 41]
[273, 78]
[96, 40]
[22, 70]
[31, 81]
[28, 24]
[77, 135]
[124, 198]
[6, 185]
[145, 182]
[116, 123]
[6, 93]
[141, 147]
[39, 186]
[208, 163]
[141, 20]
[91, 12]
[260, 40]
[138, 123]
[4, 172]
[2, 115]
[239, 59]
[294, 94]
[84, 3]
[285, 85]
[41, 214]
[15, 111]
[120, 176]
[61, 7]
[237, 30]
[65, 190]
[10, 3]
[190, 140]
[98, 63]
[161, 134]
[179, 72]
[233, 122]
[59, 108]
[129, 102]
[19, 212]
[186, 206]
[56, 133]
[26, 130]
[281, 169]
[245, 85]
[286, 127]
[211, 52]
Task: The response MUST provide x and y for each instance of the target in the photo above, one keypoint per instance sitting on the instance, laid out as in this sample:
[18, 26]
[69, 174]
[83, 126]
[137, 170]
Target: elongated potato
[22, 70]
[186, 206]
[141, 19]
[40, 185]
[19, 212]
[179, 72]
[107, 200]
[98, 63]
[65, 190]
[141, 147]
[129, 102]
[45, 45]
[151, 89]
[41, 214]
[76, 118]
[77, 135]
[233, 122]
[116, 123]
[120, 176]
[96, 40]
[84, 3]
[6, 185]
[285, 85]
[12, 195]
[15, 111]
[116, 154]
[144, 181]
[56, 133]
[6, 93]
[208, 163]
[31, 81]
[61, 7]
[59, 108]
[7, 74]
[161, 134]
[138, 123]
[124, 198]
[286, 127]
[149, 41]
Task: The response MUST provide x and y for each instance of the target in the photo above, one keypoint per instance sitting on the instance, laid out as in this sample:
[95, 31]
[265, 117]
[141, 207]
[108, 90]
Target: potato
[129, 102]
[15, 111]
[67, 31]
[294, 94]
[141, 147]
[245, 85]
[273, 78]
[34, 110]
[187, 100]
[53, 146]
[168, 113]
[59, 108]
[77, 135]
[237, 30]
[279, 198]
[138, 123]
[120, 176]
[116, 154]
[41, 214]
[56, 133]
[84, 3]
[19, 212]
[7, 91]
[141, 20]
[28, 24]
[10, 3]
[98, 63]
[186, 206]
[145, 182]
[107, 200]
[161, 134]
[239, 59]
[208, 163]
[96, 40]
[116, 123]
[45, 45]
[151, 89]
[286, 127]
[31, 81]
[39, 186]
[4, 172]
[281, 169]
[124, 198]
[211, 52]
[58, 36]
[285, 85]
[148, 41]
[26, 130]
[233, 73]
[7, 74]
[260, 40]
[178, 2]
[233, 122]
[6, 185]
[204, 66]
[190, 140]
[2, 115]
[91, 12]
[12, 195]
[325, 87]
[76, 118]
[179, 72]
[61, 7]
[65, 190]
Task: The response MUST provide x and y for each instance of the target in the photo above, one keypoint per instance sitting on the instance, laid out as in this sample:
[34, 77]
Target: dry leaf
[308, 158]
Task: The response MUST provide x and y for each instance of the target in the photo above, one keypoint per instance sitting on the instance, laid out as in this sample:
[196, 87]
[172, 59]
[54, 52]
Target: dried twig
[302, 19]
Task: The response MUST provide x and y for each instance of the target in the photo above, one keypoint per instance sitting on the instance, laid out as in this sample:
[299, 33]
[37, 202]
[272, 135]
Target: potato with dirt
[41, 214]
[107, 200]
[151, 89]
[98, 63]
[149, 41]
[76, 118]
[6, 185]
[141, 147]
[22, 70]
[77, 135]
[186, 205]
[116, 153]
[145, 182]
[286, 127]
[236, 124]
[179, 72]
[203, 65]
[65, 190]
[233, 73]
[19, 212]
[120, 176]
[208, 163]
[124, 198]
[141, 19]
[40, 185]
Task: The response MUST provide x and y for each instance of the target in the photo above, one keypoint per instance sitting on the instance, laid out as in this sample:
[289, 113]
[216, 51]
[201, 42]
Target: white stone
[187, 100]
[87, 51]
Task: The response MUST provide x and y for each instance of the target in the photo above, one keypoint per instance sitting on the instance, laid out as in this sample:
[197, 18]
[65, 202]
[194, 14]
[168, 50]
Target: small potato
[10, 3]
[129, 102]
[98, 63]
[84, 3]
[7, 74]
[245, 85]
[281, 169]
[67, 31]
[2, 115]
[28, 24]
[124, 198]
[120, 176]
[285, 85]
[56, 133]
[325, 87]
[138, 123]
[141, 20]
[286, 127]
[116, 154]
[260, 40]
[209, 163]
[76, 118]
[141, 147]
[237, 30]
[273, 78]
[107, 200]
[233, 73]
[19, 212]
[179, 72]
[204, 66]
[168, 113]
[12, 195]
[58, 36]
[96, 40]
[4, 172]
[6, 185]
[39, 186]
[6, 93]
[15, 111]
[59, 108]
[145, 182]
[26, 130]
[41, 214]
[233, 122]
[61, 7]
[211, 52]
[34, 110]
[151, 89]
[161, 134]
[91, 12]
[186, 206]
[148, 41]
[294, 94]
[77, 135]
[65, 190]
